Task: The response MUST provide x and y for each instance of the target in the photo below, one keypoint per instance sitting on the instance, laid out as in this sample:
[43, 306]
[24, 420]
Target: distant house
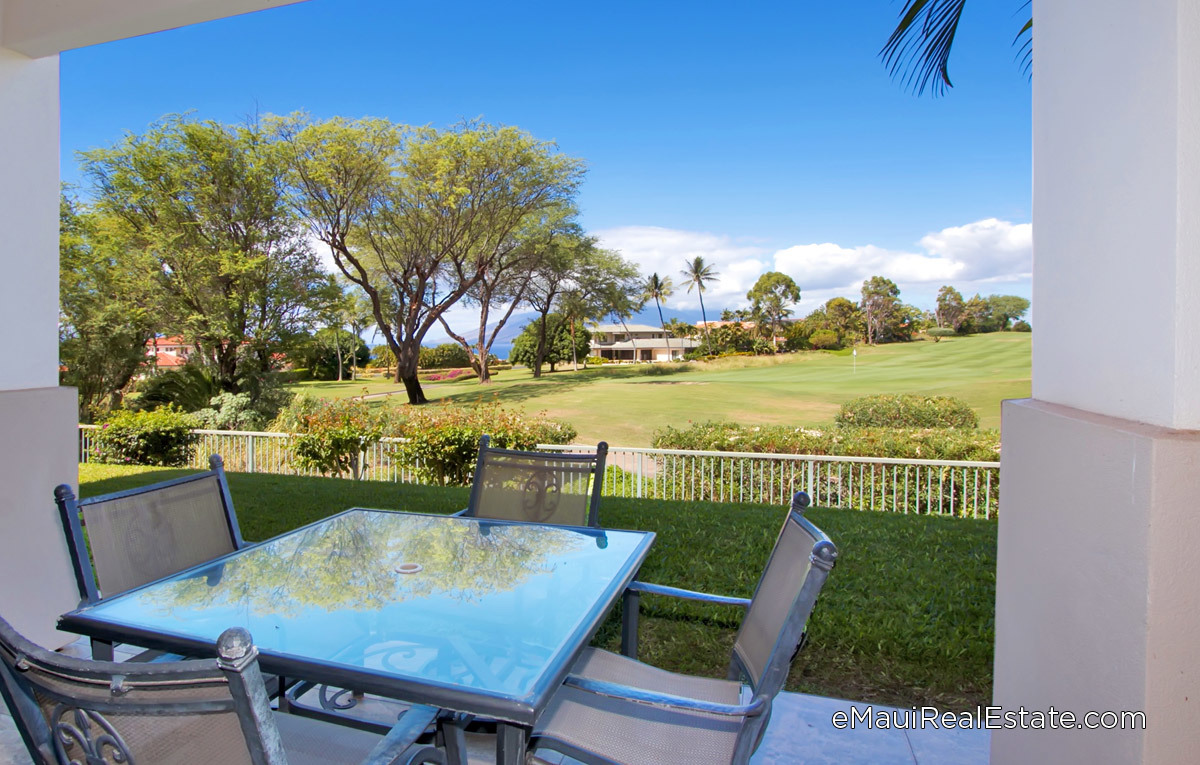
[638, 342]
[168, 352]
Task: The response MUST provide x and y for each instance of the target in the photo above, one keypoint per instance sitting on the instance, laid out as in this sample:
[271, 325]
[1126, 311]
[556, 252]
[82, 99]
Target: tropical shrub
[902, 443]
[441, 442]
[1021, 326]
[189, 387]
[937, 333]
[907, 410]
[330, 435]
[595, 361]
[824, 340]
[161, 437]
[928, 489]
[444, 356]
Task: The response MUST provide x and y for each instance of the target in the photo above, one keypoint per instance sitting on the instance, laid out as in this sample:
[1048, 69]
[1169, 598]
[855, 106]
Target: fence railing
[928, 487]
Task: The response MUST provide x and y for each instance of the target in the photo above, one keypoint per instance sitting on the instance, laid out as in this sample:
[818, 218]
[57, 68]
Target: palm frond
[1025, 51]
[918, 51]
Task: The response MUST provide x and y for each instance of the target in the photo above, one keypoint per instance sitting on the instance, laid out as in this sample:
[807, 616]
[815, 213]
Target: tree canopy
[771, 299]
[418, 217]
[203, 209]
[104, 323]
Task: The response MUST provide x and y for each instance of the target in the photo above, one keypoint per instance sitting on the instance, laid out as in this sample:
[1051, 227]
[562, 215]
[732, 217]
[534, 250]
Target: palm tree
[660, 290]
[698, 273]
[918, 50]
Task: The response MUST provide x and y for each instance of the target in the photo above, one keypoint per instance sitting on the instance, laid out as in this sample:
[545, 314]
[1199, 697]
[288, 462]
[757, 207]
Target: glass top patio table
[473, 615]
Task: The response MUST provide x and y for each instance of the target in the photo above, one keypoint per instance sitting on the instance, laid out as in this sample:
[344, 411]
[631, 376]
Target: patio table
[476, 616]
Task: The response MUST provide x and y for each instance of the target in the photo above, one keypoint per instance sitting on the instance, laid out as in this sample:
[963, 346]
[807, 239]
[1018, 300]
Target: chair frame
[586, 458]
[70, 511]
[631, 599]
[755, 713]
[236, 664]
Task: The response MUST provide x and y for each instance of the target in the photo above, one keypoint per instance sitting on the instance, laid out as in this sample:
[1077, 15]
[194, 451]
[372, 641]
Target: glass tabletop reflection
[487, 606]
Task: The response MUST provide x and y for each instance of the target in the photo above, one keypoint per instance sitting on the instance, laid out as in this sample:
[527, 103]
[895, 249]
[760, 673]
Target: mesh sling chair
[614, 709]
[541, 487]
[147, 533]
[202, 710]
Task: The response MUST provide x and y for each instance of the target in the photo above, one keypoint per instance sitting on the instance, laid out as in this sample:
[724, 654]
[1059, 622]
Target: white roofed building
[638, 342]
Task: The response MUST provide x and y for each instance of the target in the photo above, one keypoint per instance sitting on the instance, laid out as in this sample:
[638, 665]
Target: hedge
[907, 410]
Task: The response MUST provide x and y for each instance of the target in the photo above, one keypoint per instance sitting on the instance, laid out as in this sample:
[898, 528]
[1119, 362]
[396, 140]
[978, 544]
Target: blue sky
[762, 135]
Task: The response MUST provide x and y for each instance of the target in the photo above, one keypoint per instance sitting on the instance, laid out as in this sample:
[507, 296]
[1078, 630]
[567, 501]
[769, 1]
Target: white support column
[37, 418]
[1098, 592]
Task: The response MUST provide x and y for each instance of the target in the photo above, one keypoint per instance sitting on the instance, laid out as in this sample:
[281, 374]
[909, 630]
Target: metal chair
[203, 710]
[614, 709]
[631, 598]
[143, 534]
[542, 487]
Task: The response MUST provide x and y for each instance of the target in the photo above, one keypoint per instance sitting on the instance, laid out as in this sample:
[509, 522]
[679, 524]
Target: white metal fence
[935, 487]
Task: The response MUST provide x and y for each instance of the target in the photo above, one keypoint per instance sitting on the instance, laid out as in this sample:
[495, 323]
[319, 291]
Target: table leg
[511, 741]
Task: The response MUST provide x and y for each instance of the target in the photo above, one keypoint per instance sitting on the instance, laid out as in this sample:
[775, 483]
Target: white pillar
[37, 418]
[1098, 591]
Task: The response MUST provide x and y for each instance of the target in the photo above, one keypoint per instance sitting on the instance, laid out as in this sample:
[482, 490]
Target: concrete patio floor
[801, 732]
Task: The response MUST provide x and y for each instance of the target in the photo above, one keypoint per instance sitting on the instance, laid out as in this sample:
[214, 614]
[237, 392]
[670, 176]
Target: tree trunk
[662, 323]
[406, 372]
[574, 350]
[412, 386]
[540, 354]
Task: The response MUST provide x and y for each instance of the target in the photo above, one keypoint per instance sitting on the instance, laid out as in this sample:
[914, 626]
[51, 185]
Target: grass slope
[624, 405]
[906, 619]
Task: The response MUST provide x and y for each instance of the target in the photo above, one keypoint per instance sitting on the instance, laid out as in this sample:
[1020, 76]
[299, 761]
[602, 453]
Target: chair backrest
[205, 710]
[147, 533]
[773, 628]
[544, 487]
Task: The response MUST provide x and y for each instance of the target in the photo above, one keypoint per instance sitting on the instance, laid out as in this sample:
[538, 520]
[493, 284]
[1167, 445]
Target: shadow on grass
[563, 381]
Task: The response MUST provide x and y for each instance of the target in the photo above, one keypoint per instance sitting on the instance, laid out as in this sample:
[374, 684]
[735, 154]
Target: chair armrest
[461, 513]
[399, 746]
[676, 592]
[667, 700]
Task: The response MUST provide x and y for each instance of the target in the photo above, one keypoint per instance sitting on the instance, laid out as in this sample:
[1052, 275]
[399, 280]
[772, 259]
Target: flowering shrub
[441, 441]
[450, 375]
[161, 437]
[330, 435]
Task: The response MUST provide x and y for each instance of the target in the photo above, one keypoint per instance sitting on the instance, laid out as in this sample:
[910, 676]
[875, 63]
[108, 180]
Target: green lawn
[624, 405]
[906, 619]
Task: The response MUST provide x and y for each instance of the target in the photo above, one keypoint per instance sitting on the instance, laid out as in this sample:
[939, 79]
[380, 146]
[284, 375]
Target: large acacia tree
[205, 207]
[574, 279]
[104, 323]
[417, 217]
[506, 284]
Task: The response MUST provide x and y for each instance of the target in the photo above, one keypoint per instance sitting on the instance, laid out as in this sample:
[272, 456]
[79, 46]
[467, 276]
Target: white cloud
[666, 251]
[985, 256]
